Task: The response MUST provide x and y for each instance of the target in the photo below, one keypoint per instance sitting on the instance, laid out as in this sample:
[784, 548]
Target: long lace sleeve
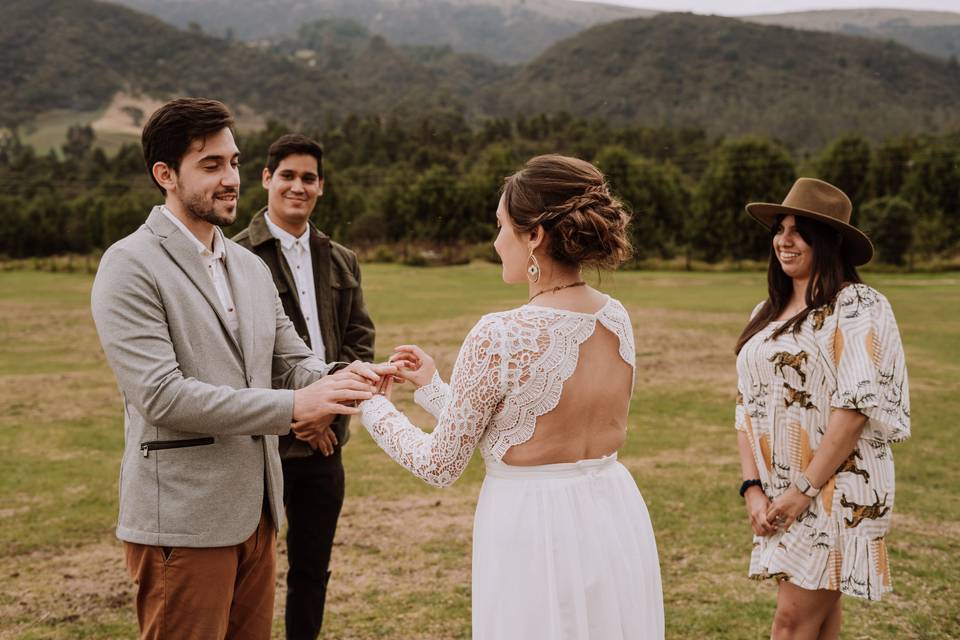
[478, 385]
[433, 397]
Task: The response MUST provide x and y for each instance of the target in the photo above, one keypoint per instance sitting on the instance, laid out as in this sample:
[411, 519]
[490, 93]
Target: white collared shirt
[296, 250]
[215, 266]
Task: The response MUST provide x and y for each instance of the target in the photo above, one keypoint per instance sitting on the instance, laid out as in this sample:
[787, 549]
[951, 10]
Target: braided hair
[585, 224]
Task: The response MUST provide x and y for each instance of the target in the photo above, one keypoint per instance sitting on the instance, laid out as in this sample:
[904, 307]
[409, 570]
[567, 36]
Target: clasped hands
[317, 405]
[767, 517]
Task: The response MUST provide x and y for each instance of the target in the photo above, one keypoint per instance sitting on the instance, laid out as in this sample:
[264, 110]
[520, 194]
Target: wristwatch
[803, 486]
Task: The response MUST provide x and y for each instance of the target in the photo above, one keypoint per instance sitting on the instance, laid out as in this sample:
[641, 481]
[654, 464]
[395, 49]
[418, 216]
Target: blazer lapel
[320, 256]
[240, 285]
[184, 254]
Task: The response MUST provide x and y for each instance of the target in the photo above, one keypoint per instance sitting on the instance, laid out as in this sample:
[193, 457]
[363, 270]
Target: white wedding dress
[560, 551]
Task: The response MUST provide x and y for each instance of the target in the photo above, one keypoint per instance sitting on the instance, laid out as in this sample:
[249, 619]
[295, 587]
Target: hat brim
[855, 242]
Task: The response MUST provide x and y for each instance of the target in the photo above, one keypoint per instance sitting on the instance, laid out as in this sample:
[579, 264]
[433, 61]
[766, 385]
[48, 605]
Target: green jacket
[346, 327]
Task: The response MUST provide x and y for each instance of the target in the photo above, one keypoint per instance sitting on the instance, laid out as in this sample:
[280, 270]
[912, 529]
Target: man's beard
[203, 208]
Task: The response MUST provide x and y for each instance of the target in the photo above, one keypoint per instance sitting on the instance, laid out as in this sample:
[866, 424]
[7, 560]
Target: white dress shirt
[215, 266]
[296, 250]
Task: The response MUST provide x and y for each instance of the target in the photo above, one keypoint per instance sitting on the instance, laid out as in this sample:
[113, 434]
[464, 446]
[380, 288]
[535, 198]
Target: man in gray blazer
[198, 339]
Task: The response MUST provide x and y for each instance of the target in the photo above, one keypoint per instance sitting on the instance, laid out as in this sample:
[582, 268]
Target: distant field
[402, 560]
[49, 130]
[113, 128]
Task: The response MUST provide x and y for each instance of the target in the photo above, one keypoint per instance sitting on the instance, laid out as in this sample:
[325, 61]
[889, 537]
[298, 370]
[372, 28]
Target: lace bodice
[510, 370]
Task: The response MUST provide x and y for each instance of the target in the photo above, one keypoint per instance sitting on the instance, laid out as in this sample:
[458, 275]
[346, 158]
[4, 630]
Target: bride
[562, 542]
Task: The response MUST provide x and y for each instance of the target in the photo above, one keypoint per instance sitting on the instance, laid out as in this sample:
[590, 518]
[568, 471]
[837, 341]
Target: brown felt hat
[823, 202]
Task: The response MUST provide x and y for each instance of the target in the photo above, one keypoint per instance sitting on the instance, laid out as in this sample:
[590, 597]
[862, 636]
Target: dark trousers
[313, 496]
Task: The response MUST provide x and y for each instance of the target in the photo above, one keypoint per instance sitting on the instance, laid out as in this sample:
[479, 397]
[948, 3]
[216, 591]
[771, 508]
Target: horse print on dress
[861, 512]
[820, 316]
[850, 466]
[795, 361]
[797, 396]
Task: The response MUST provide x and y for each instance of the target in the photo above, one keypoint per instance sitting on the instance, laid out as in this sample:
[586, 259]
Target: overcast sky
[749, 7]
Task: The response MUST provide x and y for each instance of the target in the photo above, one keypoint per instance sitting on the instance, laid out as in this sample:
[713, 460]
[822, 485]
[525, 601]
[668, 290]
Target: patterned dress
[847, 355]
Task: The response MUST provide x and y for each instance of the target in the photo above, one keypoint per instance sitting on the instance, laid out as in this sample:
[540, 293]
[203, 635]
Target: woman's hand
[788, 506]
[415, 364]
[757, 505]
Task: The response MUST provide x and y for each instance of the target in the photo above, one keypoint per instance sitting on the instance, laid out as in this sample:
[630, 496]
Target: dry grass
[402, 558]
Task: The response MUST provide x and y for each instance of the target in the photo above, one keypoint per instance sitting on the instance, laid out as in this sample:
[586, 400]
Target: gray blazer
[201, 418]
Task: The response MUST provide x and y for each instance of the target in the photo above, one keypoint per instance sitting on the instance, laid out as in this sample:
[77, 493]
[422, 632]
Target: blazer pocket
[158, 445]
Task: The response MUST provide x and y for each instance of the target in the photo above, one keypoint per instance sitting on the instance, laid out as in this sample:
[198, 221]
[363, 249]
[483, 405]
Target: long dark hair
[832, 269]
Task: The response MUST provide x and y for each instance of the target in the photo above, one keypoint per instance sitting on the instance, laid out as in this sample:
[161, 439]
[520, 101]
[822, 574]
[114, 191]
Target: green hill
[733, 78]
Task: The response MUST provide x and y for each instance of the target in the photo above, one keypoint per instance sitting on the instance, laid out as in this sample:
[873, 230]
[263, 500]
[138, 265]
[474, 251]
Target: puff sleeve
[867, 359]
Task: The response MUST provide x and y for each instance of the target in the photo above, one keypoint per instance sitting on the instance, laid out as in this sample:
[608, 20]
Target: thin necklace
[555, 289]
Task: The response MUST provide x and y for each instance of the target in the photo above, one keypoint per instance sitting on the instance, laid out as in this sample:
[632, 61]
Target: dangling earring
[533, 269]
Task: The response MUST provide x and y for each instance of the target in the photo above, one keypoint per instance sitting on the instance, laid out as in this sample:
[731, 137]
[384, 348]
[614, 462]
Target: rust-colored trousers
[206, 594]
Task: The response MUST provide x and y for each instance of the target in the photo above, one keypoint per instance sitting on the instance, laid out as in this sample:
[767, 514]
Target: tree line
[433, 183]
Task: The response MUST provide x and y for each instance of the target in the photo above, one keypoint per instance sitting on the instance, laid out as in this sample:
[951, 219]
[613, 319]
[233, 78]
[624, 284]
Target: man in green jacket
[319, 285]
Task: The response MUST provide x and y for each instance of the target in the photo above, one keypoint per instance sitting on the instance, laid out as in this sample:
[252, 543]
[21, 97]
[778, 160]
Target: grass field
[402, 560]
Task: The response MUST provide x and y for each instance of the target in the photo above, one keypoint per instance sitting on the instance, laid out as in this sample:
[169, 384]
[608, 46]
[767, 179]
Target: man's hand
[367, 372]
[318, 434]
[329, 394]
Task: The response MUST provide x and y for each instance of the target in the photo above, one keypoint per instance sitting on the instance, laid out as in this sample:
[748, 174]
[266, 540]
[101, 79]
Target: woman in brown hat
[822, 393]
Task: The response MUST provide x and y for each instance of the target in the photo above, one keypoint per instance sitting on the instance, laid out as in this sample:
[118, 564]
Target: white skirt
[564, 552]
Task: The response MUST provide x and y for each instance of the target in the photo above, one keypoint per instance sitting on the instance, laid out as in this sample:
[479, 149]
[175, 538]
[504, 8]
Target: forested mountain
[734, 77]
[933, 32]
[507, 31]
[77, 54]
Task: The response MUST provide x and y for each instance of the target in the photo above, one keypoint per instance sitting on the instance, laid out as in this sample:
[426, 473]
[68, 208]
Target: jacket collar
[259, 232]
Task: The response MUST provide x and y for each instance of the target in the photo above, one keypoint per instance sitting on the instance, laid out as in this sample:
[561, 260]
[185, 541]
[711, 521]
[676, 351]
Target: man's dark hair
[294, 144]
[176, 125]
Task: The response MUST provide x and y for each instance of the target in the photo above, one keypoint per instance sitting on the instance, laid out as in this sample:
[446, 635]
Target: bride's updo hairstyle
[584, 224]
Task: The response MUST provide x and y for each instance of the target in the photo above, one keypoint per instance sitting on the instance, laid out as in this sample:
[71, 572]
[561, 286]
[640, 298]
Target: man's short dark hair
[294, 144]
[176, 125]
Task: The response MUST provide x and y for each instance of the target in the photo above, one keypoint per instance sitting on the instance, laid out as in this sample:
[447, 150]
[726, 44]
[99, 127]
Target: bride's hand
[416, 364]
